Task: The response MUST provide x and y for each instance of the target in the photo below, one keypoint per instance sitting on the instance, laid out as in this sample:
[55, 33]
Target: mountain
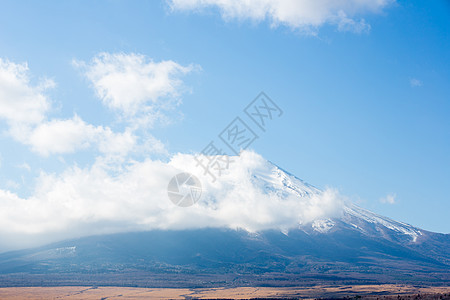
[354, 246]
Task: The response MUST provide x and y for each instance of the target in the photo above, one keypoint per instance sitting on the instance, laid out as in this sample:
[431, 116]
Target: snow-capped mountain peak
[276, 180]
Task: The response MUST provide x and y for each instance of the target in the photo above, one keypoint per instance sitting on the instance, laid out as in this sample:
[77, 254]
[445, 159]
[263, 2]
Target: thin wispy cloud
[306, 16]
[24, 166]
[389, 199]
[414, 82]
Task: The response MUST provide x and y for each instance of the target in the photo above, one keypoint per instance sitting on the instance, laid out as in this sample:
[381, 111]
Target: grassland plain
[385, 291]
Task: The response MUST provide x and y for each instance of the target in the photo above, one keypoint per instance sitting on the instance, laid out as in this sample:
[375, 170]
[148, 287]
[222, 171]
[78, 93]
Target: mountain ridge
[354, 245]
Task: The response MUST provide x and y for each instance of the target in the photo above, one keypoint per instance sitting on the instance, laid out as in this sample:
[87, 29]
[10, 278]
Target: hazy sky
[93, 93]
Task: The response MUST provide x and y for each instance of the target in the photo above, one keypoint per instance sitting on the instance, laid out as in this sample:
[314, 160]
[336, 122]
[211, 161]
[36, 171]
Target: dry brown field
[364, 291]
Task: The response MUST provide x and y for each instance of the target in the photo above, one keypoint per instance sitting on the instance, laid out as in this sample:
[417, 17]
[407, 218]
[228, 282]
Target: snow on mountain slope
[323, 226]
[276, 180]
[354, 213]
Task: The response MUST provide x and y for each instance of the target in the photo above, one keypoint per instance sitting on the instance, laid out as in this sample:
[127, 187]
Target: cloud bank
[91, 200]
[303, 15]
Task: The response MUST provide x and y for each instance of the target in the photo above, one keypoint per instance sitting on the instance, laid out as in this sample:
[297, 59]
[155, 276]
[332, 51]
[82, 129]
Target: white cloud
[348, 24]
[304, 15]
[152, 145]
[414, 82]
[63, 136]
[112, 143]
[92, 201]
[134, 85]
[24, 107]
[20, 101]
[389, 199]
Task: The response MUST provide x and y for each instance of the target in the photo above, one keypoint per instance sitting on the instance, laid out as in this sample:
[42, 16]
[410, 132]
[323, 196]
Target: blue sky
[364, 89]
